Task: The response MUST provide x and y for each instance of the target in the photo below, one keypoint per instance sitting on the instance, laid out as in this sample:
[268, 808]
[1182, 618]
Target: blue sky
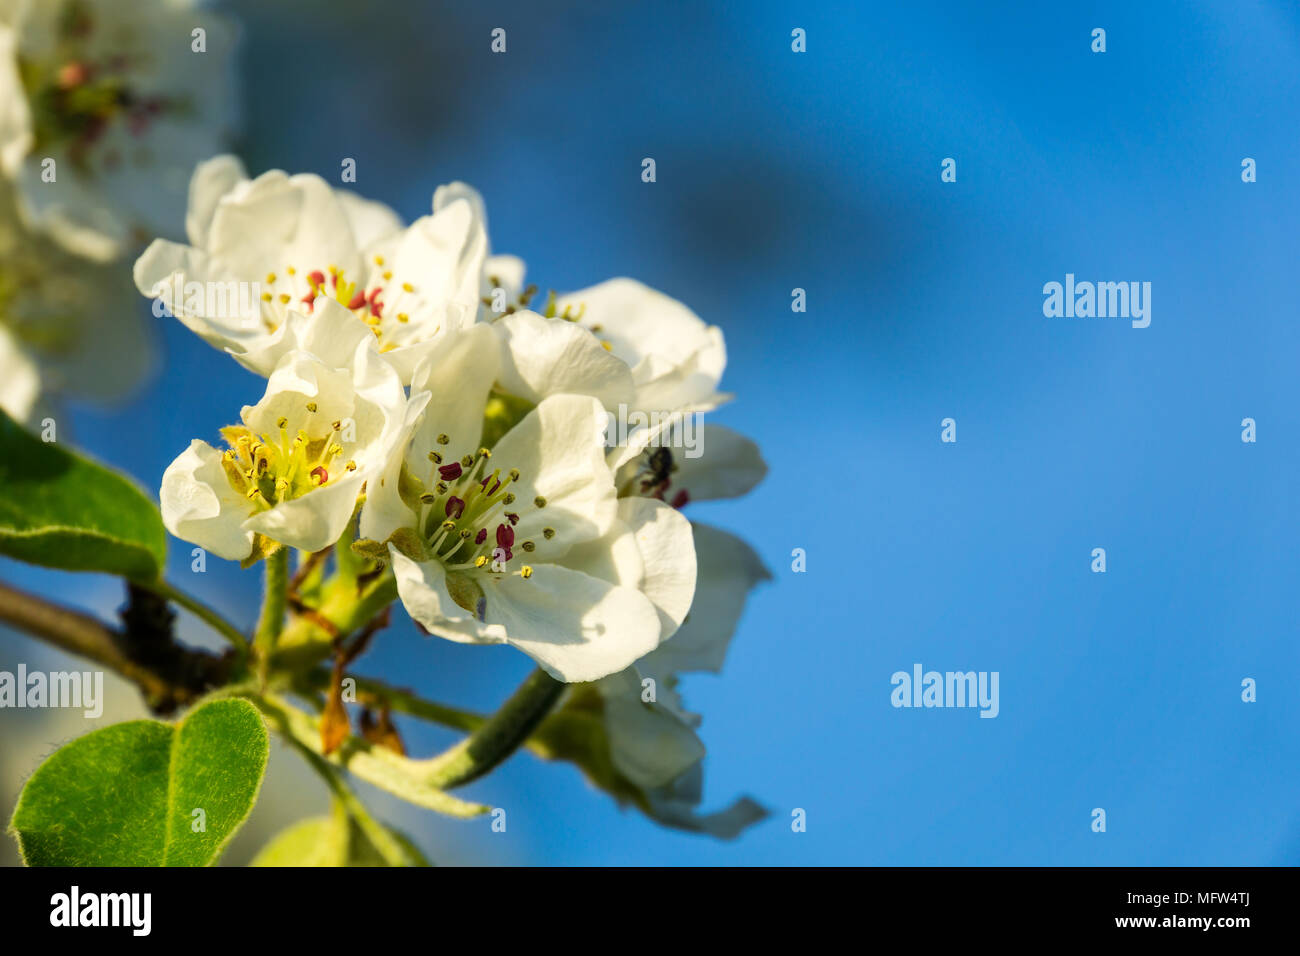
[821, 171]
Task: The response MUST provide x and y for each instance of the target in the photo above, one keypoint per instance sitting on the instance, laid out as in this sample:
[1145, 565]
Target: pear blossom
[114, 94]
[68, 327]
[295, 464]
[298, 243]
[526, 542]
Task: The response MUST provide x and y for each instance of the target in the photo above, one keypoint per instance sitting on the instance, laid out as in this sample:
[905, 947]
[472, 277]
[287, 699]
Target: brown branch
[187, 676]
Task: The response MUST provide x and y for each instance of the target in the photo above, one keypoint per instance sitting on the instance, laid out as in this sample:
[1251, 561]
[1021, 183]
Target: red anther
[449, 472]
[481, 536]
[680, 498]
[315, 277]
[357, 301]
[513, 518]
[505, 536]
[320, 474]
[455, 507]
[72, 74]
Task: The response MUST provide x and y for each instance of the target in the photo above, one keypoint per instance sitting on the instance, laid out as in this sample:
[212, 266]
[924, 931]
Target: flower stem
[402, 701]
[380, 837]
[500, 735]
[271, 621]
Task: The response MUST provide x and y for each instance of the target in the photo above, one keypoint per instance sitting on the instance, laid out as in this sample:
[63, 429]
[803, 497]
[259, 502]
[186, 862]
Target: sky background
[821, 170]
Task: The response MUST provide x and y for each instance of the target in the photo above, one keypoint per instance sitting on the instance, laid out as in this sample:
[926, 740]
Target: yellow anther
[403, 317]
[270, 278]
[267, 297]
[407, 287]
[379, 260]
[480, 561]
[311, 407]
[351, 466]
[526, 571]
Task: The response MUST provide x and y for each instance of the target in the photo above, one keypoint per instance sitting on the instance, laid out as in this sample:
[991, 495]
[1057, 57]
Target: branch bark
[186, 676]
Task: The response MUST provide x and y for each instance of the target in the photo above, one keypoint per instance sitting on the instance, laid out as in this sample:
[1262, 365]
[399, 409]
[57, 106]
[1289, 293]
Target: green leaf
[335, 840]
[63, 511]
[127, 795]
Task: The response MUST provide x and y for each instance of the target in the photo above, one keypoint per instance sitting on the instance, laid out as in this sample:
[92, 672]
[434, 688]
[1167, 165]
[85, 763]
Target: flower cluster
[415, 383]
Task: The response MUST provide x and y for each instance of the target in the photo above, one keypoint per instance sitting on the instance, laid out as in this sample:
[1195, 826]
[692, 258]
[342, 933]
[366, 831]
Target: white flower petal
[15, 118]
[200, 506]
[314, 521]
[371, 221]
[729, 466]
[727, 570]
[541, 357]
[676, 359]
[422, 586]
[212, 179]
[667, 547]
[649, 743]
[558, 449]
[458, 372]
[577, 627]
[20, 380]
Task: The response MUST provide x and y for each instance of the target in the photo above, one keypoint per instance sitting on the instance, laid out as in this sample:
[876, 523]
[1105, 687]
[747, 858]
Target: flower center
[467, 515]
[268, 470]
[75, 98]
[384, 307]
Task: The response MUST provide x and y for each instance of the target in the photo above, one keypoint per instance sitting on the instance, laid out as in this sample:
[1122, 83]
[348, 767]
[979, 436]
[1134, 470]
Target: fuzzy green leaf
[61, 510]
[127, 795]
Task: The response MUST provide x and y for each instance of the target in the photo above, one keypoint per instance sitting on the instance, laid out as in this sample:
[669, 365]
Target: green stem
[402, 701]
[380, 836]
[304, 642]
[204, 613]
[500, 735]
[271, 621]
